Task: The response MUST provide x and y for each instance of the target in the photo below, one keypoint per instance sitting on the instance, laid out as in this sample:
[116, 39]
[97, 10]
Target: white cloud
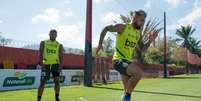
[68, 12]
[111, 17]
[197, 3]
[67, 1]
[1, 21]
[190, 18]
[69, 35]
[102, 1]
[175, 3]
[147, 5]
[50, 15]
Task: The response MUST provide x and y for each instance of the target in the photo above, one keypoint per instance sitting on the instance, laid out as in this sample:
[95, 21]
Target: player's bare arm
[61, 55]
[41, 49]
[119, 28]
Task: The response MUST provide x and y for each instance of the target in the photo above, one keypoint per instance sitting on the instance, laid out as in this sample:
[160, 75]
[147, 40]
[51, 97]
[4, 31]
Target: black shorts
[121, 66]
[47, 70]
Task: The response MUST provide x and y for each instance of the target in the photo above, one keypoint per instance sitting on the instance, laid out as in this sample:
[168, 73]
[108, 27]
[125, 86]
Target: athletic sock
[127, 95]
[39, 98]
[57, 97]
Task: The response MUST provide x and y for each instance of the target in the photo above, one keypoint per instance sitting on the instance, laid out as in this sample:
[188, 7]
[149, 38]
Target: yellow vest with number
[126, 43]
[51, 52]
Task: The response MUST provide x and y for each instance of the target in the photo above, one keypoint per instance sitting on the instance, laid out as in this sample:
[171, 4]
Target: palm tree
[126, 18]
[185, 32]
[195, 46]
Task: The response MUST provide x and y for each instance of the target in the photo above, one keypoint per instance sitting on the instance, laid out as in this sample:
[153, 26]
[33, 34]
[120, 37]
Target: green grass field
[179, 88]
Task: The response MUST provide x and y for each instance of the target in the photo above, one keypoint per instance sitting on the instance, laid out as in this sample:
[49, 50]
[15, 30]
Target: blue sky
[31, 20]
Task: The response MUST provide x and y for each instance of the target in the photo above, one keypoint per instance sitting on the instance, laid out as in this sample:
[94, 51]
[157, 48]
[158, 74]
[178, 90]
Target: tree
[4, 41]
[178, 56]
[185, 32]
[195, 46]
[152, 26]
[74, 51]
[101, 53]
[126, 18]
[154, 55]
[108, 47]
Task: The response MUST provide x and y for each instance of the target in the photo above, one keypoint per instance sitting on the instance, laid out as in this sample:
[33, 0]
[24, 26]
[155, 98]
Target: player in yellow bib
[127, 39]
[51, 60]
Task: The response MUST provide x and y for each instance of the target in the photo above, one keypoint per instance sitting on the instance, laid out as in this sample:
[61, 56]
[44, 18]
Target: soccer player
[127, 39]
[51, 60]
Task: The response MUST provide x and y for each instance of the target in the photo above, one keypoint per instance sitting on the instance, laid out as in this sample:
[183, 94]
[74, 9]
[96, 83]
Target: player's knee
[56, 81]
[138, 75]
[42, 85]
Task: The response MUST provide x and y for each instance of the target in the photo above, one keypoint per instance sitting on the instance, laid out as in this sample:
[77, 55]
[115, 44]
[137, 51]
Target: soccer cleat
[57, 99]
[126, 98]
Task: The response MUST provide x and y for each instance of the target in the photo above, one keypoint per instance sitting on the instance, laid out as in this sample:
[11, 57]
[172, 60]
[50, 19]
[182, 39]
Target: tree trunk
[187, 69]
[187, 64]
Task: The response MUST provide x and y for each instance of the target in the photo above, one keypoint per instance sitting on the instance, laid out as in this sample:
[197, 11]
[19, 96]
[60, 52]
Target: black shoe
[39, 98]
[57, 99]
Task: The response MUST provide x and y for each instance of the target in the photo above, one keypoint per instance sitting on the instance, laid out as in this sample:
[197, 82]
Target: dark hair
[141, 13]
[53, 31]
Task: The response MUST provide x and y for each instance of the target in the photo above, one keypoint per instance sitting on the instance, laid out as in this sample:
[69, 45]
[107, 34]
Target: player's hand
[100, 47]
[152, 36]
[151, 31]
[60, 69]
[41, 63]
[60, 66]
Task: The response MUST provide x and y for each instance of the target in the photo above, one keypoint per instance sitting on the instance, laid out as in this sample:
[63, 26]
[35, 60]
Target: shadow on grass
[150, 92]
[99, 84]
[14, 90]
[183, 78]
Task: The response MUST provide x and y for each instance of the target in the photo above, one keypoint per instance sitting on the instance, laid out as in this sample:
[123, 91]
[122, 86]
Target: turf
[179, 88]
